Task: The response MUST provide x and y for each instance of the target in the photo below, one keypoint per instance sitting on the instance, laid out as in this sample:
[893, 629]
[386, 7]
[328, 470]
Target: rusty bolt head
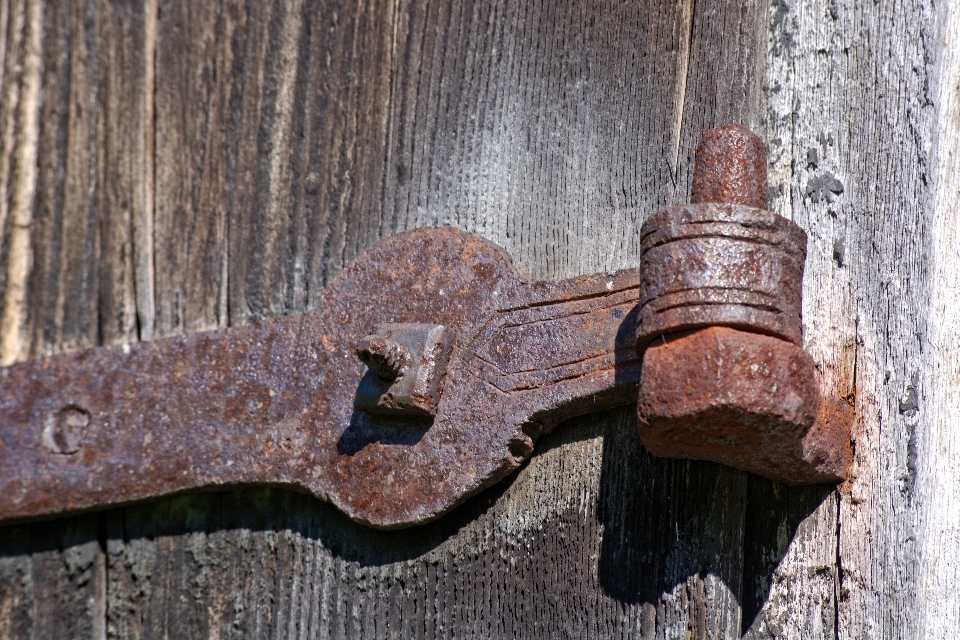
[406, 362]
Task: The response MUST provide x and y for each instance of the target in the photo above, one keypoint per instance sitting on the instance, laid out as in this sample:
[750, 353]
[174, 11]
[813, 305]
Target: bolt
[64, 430]
[386, 357]
[407, 360]
[730, 167]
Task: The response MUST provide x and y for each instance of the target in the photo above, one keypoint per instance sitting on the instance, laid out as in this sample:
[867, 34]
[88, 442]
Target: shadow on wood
[774, 513]
[699, 525]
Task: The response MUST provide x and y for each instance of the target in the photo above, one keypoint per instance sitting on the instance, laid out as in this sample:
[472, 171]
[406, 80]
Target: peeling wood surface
[169, 166]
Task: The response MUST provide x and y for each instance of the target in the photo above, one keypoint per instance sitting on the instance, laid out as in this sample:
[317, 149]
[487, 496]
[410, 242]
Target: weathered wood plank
[851, 128]
[122, 47]
[934, 456]
[71, 288]
[47, 232]
[790, 561]
[310, 151]
[11, 20]
[264, 222]
[349, 75]
[200, 47]
[552, 145]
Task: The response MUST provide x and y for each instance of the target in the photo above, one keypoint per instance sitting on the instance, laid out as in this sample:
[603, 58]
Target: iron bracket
[462, 366]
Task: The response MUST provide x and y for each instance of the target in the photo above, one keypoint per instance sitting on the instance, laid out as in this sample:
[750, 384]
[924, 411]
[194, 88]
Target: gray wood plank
[266, 228]
[930, 461]
[89, 182]
[349, 75]
[48, 210]
[11, 38]
[19, 171]
[851, 129]
[72, 285]
[309, 159]
[790, 569]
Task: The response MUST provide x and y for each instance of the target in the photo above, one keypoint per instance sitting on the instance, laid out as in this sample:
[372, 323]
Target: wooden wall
[172, 166]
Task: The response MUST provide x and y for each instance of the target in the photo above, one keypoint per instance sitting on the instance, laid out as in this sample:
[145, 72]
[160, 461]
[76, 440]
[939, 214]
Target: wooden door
[173, 166]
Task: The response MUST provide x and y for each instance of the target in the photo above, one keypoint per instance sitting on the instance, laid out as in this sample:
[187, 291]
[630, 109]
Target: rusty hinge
[430, 367]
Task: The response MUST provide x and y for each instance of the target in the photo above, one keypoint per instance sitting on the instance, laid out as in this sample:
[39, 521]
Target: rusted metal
[746, 400]
[724, 376]
[722, 260]
[730, 167]
[712, 264]
[400, 410]
[406, 362]
[275, 403]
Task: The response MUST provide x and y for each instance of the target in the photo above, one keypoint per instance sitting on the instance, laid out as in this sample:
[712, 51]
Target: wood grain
[276, 141]
[935, 454]
[122, 150]
[21, 143]
[196, 81]
[53, 581]
[850, 130]
[67, 308]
